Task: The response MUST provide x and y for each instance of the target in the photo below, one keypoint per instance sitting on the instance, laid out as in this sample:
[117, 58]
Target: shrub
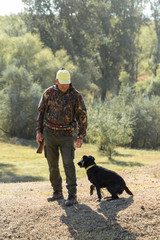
[110, 125]
[18, 111]
[147, 124]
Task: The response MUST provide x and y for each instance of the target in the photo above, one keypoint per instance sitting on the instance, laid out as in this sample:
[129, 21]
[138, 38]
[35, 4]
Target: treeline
[112, 50]
[103, 38]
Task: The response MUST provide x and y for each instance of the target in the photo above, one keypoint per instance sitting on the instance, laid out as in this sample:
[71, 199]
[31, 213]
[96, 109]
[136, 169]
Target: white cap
[63, 77]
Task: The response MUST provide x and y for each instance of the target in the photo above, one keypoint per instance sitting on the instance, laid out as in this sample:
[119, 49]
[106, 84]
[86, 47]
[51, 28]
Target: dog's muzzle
[80, 164]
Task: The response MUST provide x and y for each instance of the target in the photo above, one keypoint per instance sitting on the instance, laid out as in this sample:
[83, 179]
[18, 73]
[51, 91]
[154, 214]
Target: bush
[18, 110]
[126, 120]
[110, 125]
[147, 124]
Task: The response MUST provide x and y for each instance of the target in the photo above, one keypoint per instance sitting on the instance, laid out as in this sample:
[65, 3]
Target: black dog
[103, 178]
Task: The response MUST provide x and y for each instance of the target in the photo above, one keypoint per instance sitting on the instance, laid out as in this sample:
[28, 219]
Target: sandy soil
[25, 213]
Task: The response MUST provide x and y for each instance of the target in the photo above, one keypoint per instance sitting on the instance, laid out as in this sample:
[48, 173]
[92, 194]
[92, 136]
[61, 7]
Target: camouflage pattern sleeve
[41, 108]
[81, 117]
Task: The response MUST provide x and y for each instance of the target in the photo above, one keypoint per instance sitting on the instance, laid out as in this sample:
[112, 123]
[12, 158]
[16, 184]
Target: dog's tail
[128, 191]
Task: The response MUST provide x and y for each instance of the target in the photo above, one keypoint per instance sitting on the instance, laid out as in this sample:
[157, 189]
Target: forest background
[111, 48]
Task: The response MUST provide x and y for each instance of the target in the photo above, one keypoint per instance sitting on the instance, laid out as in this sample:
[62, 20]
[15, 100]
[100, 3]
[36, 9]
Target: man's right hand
[39, 138]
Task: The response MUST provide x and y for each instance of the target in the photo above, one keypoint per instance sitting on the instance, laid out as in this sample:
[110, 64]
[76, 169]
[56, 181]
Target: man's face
[63, 87]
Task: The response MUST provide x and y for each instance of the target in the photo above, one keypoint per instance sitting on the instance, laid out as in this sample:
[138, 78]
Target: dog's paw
[98, 200]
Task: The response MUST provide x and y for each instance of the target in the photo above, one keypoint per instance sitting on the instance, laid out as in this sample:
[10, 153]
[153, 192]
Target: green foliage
[155, 10]
[147, 125]
[43, 68]
[27, 68]
[29, 52]
[4, 53]
[104, 44]
[12, 25]
[25, 49]
[126, 120]
[111, 124]
[19, 99]
[100, 34]
[46, 66]
[147, 49]
[150, 86]
[124, 78]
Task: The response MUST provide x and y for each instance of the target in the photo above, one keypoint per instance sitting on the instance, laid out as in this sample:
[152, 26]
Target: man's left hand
[79, 142]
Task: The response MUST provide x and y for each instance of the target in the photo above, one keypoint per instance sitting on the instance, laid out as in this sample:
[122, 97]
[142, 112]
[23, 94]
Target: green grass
[21, 163]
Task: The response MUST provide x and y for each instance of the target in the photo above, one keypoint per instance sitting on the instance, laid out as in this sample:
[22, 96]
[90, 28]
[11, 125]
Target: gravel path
[25, 213]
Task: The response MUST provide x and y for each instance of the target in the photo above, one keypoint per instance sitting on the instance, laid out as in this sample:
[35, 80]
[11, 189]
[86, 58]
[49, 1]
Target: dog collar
[90, 167]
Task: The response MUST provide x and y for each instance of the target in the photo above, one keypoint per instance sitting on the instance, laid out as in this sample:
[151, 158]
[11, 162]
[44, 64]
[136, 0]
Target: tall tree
[155, 8]
[41, 17]
[97, 34]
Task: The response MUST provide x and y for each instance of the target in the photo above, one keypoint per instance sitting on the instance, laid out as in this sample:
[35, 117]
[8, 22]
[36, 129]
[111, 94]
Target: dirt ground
[25, 213]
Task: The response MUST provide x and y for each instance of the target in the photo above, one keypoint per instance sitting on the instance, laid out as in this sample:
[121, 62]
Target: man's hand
[79, 142]
[39, 138]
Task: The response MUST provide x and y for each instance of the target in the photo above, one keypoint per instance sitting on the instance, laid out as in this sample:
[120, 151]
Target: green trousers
[64, 145]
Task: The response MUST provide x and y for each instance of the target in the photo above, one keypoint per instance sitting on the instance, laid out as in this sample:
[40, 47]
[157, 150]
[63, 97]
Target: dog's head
[86, 161]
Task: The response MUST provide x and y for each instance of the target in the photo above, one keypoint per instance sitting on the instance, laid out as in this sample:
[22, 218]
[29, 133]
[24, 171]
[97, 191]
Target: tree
[150, 86]
[41, 18]
[97, 35]
[12, 25]
[147, 124]
[147, 49]
[107, 33]
[111, 124]
[155, 8]
[5, 48]
[19, 108]
[27, 68]
[29, 51]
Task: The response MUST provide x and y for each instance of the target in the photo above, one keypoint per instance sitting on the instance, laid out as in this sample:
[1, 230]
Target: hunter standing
[60, 108]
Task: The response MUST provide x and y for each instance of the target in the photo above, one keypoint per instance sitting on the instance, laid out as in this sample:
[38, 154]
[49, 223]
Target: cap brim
[64, 81]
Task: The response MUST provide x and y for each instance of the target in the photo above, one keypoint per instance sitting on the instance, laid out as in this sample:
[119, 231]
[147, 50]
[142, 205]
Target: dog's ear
[91, 157]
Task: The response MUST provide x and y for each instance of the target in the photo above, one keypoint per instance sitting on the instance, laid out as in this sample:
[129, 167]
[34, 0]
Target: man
[60, 107]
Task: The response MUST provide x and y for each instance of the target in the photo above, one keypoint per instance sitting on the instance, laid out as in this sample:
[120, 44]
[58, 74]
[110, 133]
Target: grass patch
[19, 161]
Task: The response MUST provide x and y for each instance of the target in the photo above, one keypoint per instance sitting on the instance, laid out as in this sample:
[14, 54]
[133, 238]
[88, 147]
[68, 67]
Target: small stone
[143, 208]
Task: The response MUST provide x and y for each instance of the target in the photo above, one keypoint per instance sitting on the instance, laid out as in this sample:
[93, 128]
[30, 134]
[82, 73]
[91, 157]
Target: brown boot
[72, 199]
[56, 196]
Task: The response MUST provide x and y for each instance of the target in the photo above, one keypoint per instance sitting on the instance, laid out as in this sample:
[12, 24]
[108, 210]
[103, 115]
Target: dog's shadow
[110, 210]
[85, 223]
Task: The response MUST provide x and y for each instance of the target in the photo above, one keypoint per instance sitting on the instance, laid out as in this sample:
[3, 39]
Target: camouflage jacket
[57, 108]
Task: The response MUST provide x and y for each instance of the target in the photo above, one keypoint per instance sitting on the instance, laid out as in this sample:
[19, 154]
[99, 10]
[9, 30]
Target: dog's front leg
[92, 189]
[98, 193]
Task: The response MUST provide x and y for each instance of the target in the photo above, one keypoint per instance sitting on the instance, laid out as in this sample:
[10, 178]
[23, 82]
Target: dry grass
[20, 163]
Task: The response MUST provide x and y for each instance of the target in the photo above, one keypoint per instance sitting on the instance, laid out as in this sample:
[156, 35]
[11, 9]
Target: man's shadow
[84, 223]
